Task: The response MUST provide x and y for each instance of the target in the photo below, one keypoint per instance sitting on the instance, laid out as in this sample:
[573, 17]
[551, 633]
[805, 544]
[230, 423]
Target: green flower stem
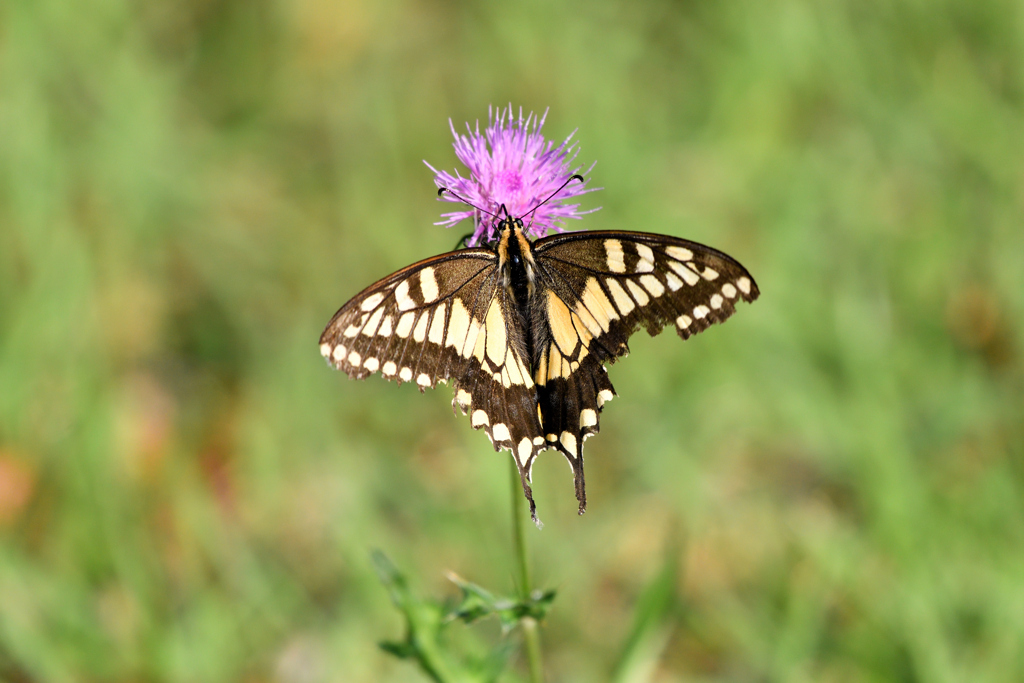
[531, 634]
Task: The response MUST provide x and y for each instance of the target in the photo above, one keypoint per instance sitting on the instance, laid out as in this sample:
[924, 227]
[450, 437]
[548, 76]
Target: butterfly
[522, 329]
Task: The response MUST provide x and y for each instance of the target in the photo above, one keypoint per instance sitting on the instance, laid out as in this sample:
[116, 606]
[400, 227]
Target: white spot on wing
[385, 327]
[613, 248]
[513, 369]
[683, 321]
[525, 448]
[389, 369]
[604, 396]
[674, 283]
[744, 285]
[495, 331]
[716, 301]
[458, 325]
[405, 374]
[354, 358]
[652, 285]
[701, 312]
[428, 284]
[405, 302]
[500, 432]
[561, 325]
[405, 323]
[679, 253]
[325, 350]
[709, 273]
[729, 290]
[339, 352]
[646, 262]
[638, 294]
[420, 333]
[371, 364]
[479, 417]
[588, 418]
[370, 302]
[597, 304]
[472, 337]
[423, 380]
[688, 275]
[436, 334]
[463, 398]
[370, 328]
[568, 440]
[622, 300]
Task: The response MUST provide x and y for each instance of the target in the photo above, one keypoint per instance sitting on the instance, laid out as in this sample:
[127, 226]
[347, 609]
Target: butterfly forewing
[650, 280]
[406, 325]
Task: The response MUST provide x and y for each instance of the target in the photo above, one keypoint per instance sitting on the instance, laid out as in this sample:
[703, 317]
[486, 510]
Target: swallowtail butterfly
[522, 329]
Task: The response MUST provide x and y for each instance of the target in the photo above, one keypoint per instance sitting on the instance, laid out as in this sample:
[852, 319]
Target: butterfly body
[522, 329]
[515, 259]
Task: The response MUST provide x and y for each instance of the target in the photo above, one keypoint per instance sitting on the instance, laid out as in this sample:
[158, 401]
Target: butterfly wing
[400, 325]
[596, 289]
[447, 319]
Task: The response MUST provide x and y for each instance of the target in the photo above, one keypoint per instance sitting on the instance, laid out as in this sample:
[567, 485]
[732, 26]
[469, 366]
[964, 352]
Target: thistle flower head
[511, 164]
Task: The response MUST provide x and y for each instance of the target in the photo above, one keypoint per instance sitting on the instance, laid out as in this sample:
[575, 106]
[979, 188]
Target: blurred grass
[188, 190]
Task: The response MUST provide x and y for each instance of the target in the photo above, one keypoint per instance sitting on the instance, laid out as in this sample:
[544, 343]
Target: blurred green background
[189, 190]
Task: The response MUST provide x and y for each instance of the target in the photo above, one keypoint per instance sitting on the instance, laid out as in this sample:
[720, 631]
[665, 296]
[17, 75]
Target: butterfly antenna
[442, 190]
[551, 196]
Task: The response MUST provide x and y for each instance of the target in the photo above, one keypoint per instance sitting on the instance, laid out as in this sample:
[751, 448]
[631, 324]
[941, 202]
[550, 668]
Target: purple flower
[512, 164]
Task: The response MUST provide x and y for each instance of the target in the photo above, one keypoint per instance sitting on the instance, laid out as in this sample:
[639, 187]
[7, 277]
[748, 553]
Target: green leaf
[425, 621]
[477, 602]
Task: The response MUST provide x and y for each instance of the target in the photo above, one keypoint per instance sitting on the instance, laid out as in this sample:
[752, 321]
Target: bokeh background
[189, 190]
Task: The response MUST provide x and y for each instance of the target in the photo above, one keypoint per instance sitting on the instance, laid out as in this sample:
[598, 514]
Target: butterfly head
[509, 223]
[509, 230]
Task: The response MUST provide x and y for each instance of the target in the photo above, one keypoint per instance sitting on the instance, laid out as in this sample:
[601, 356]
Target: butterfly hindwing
[497, 387]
